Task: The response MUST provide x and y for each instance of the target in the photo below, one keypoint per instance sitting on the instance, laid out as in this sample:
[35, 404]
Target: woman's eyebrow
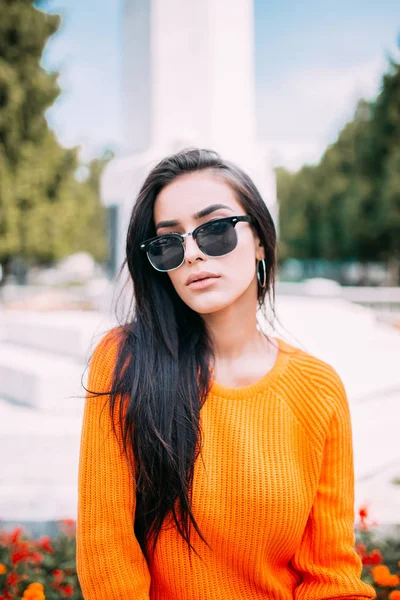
[202, 213]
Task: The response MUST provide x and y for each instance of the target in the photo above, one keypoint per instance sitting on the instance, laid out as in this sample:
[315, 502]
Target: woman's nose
[192, 251]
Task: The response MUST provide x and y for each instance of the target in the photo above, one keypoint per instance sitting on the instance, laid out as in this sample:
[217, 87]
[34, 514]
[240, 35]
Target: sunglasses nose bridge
[191, 247]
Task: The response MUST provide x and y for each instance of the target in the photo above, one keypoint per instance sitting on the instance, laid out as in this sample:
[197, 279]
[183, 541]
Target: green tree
[343, 191]
[45, 211]
[298, 214]
[348, 206]
[384, 163]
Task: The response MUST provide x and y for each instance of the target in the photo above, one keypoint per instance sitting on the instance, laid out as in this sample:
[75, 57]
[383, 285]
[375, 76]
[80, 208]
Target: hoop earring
[262, 280]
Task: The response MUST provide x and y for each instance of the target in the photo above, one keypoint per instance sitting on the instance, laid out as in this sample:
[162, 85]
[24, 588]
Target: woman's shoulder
[108, 344]
[311, 386]
[104, 357]
[308, 367]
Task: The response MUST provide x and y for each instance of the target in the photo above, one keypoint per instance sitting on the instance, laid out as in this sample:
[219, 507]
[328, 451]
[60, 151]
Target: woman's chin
[205, 306]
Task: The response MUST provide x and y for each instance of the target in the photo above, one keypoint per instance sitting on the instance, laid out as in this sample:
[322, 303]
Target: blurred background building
[188, 80]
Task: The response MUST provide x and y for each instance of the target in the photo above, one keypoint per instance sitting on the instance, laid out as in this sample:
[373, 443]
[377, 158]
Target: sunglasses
[215, 238]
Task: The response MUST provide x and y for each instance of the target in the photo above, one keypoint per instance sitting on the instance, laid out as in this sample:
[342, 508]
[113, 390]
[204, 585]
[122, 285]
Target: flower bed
[45, 569]
[41, 569]
[380, 558]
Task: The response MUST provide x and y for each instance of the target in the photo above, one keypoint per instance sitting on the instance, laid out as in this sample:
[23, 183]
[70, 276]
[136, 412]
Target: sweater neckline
[222, 391]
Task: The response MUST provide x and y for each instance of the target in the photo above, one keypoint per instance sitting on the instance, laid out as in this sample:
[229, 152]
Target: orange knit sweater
[273, 495]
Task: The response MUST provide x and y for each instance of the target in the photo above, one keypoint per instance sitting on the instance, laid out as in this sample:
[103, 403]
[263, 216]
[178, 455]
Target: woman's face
[235, 273]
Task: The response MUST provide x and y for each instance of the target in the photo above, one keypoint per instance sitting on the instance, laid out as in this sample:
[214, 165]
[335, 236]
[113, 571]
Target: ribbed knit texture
[274, 497]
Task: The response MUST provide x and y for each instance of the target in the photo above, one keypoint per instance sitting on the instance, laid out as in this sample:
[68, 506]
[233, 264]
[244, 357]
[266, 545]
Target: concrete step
[41, 379]
[381, 495]
[375, 425]
[39, 480]
[364, 351]
[28, 501]
[68, 333]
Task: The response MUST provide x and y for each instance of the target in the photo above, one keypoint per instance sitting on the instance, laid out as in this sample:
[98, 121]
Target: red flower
[68, 522]
[15, 535]
[16, 557]
[361, 549]
[58, 573]
[45, 544]
[68, 526]
[12, 579]
[68, 591]
[376, 557]
[36, 557]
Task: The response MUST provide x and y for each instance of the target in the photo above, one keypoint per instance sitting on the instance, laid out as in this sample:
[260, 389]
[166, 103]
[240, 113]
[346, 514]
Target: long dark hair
[165, 355]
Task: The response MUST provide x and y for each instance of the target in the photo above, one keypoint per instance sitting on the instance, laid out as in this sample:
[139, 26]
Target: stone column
[189, 80]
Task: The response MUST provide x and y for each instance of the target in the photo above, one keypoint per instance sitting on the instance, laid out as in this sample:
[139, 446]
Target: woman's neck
[234, 332]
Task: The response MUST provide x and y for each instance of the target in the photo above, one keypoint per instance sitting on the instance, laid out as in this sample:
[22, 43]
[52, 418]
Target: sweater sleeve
[110, 563]
[326, 559]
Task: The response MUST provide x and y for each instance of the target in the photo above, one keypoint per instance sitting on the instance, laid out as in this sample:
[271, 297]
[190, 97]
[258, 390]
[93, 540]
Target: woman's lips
[202, 283]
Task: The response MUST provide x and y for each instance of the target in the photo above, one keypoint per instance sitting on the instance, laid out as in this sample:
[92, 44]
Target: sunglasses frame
[181, 236]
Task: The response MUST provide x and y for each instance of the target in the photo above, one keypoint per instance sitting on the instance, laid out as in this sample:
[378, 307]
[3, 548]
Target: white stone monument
[188, 81]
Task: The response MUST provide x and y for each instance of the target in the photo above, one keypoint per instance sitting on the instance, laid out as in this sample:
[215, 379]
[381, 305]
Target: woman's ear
[260, 253]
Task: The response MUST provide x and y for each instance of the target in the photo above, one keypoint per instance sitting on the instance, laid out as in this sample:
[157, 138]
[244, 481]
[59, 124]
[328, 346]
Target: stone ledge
[40, 379]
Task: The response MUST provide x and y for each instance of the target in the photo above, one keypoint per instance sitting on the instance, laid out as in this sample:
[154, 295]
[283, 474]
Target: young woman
[220, 466]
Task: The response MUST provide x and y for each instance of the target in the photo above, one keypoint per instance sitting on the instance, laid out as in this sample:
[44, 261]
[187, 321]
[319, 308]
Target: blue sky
[314, 59]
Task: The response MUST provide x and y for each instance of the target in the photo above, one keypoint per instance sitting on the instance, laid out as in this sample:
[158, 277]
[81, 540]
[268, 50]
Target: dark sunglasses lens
[217, 239]
[165, 253]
